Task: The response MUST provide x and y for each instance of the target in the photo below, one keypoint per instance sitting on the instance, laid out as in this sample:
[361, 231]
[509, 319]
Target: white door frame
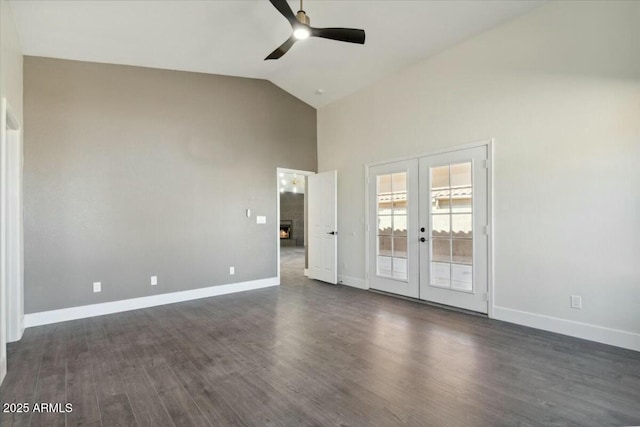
[278, 172]
[11, 261]
[490, 144]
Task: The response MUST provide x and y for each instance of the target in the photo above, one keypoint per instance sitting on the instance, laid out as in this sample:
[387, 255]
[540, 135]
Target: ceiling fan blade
[285, 10]
[350, 35]
[284, 48]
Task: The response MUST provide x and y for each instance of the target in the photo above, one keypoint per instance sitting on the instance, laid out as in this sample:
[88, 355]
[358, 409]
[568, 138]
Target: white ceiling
[233, 37]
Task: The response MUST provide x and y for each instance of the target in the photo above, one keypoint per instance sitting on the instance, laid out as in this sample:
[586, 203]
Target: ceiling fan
[302, 30]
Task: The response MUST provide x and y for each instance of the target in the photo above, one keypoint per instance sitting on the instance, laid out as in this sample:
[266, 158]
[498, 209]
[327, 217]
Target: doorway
[429, 228]
[292, 233]
[11, 249]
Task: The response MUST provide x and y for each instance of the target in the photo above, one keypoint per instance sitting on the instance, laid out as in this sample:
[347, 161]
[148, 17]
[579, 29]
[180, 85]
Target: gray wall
[133, 172]
[292, 209]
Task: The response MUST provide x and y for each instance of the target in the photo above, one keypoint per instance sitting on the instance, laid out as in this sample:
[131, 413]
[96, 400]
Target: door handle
[333, 233]
[422, 239]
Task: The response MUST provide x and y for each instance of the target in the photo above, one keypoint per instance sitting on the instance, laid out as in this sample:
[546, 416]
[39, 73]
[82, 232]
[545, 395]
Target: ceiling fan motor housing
[302, 17]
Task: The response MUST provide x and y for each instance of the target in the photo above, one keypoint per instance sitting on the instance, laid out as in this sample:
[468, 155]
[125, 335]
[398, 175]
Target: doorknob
[422, 239]
[422, 229]
[333, 233]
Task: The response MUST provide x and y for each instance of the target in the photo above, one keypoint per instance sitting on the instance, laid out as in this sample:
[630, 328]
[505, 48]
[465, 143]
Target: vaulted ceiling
[234, 37]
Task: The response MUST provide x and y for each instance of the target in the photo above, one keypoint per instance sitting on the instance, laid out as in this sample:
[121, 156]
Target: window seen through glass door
[392, 226]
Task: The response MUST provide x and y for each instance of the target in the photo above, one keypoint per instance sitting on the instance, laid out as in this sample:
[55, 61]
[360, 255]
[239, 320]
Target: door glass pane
[441, 274]
[384, 266]
[461, 200]
[399, 225]
[399, 268]
[392, 225]
[440, 201]
[441, 226]
[400, 203]
[384, 225]
[463, 251]
[440, 177]
[399, 182]
[441, 250]
[400, 247]
[384, 184]
[384, 204]
[461, 277]
[461, 175]
[384, 246]
[461, 225]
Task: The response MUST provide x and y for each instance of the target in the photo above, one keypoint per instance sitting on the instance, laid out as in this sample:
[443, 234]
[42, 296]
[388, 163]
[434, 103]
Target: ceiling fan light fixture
[301, 33]
[300, 24]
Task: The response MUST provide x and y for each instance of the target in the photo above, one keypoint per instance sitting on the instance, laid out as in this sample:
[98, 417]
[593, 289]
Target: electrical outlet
[97, 287]
[232, 270]
[261, 219]
[154, 280]
[576, 301]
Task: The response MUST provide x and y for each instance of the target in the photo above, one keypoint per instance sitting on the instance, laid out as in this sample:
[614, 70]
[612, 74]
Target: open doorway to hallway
[292, 231]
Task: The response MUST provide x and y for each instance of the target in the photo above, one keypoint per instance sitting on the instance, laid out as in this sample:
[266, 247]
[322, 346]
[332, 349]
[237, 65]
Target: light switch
[261, 219]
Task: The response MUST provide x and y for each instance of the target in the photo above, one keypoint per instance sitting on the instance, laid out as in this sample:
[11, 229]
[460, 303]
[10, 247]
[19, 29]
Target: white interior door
[454, 217]
[393, 228]
[323, 226]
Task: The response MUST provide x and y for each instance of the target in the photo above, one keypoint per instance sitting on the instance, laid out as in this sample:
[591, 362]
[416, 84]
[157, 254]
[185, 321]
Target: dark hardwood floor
[307, 353]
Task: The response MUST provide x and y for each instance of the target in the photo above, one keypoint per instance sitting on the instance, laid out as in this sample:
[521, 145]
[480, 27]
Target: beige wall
[559, 90]
[10, 61]
[133, 172]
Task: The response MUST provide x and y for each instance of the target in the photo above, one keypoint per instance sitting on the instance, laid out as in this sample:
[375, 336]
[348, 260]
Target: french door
[445, 209]
[393, 228]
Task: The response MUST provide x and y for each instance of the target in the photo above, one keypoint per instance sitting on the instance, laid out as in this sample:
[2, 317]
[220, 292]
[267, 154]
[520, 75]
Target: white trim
[12, 243]
[443, 150]
[72, 313]
[615, 337]
[490, 220]
[278, 172]
[354, 282]
[366, 226]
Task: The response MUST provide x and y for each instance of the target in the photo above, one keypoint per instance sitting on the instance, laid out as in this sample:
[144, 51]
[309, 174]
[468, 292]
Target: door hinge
[487, 230]
[485, 297]
[486, 163]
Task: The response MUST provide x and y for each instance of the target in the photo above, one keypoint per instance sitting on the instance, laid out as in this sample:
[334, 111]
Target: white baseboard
[18, 335]
[615, 337]
[306, 272]
[72, 313]
[354, 282]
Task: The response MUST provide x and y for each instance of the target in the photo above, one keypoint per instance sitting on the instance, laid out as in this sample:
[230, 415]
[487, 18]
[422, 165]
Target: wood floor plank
[145, 401]
[181, 407]
[20, 383]
[80, 384]
[115, 408]
[51, 388]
